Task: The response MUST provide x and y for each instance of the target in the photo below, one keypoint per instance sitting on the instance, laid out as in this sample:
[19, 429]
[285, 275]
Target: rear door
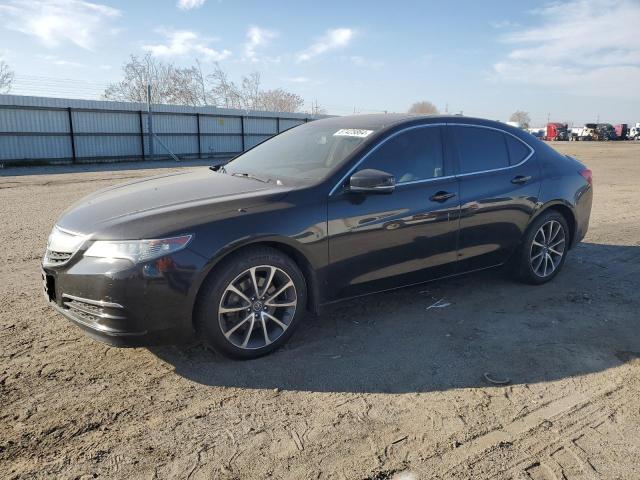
[380, 241]
[499, 187]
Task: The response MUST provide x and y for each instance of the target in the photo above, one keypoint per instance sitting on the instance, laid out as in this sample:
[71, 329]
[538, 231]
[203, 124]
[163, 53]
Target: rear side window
[518, 151]
[412, 155]
[480, 149]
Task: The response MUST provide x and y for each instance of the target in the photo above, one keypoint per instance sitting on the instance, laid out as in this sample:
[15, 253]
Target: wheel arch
[564, 209]
[283, 245]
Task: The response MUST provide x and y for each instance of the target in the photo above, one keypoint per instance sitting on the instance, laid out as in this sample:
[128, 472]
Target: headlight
[137, 250]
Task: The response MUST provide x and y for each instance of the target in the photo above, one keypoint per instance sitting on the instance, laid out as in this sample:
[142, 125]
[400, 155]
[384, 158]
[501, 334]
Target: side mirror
[371, 181]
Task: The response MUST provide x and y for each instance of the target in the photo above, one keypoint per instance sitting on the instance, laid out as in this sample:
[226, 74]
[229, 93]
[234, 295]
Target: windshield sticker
[353, 132]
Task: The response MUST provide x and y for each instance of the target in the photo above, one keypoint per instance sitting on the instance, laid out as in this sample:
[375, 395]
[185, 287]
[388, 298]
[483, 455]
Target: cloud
[256, 38]
[331, 40]
[359, 61]
[297, 79]
[54, 22]
[190, 4]
[585, 47]
[425, 59]
[61, 62]
[498, 24]
[184, 42]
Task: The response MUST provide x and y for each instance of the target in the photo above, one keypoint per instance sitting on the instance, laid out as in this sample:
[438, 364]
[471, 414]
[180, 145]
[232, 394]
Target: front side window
[480, 149]
[415, 154]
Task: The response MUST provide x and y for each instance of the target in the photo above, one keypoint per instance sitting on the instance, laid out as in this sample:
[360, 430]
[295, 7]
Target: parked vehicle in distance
[537, 132]
[329, 210]
[634, 132]
[586, 133]
[594, 131]
[622, 131]
[605, 132]
[556, 132]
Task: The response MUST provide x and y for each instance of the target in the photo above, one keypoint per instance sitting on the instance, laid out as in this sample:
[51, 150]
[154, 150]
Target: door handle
[441, 196]
[520, 179]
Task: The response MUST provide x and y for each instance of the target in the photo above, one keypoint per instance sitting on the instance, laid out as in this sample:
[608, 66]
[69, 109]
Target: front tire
[251, 303]
[543, 250]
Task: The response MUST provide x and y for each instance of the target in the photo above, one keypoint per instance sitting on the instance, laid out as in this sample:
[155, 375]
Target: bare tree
[225, 92]
[190, 86]
[6, 77]
[187, 87]
[201, 82]
[138, 73]
[251, 91]
[424, 108]
[249, 95]
[169, 84]
[522, 118]
[279, 100]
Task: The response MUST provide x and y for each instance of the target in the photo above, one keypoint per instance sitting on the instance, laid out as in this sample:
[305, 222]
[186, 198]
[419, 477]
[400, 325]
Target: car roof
[381, 121]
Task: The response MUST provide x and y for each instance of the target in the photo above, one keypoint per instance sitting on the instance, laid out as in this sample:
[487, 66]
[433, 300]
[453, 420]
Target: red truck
[557, 131]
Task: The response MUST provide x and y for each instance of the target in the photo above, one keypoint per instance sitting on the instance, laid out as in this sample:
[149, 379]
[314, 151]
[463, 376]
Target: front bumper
[123, 304]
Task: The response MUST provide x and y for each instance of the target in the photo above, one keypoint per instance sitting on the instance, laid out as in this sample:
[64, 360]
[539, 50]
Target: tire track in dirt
[524, 438]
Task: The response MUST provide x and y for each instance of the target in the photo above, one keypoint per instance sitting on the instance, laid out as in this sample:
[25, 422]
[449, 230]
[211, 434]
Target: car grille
[57, 258]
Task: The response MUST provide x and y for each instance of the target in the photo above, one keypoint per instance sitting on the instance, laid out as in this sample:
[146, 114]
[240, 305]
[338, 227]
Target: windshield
[307, 152]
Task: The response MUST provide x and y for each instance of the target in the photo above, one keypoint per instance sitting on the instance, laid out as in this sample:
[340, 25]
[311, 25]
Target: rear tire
[543, 250]
[251, 303]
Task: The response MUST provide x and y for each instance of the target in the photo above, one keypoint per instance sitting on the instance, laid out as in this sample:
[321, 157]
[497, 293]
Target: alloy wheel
[547, 248]
[257, 307]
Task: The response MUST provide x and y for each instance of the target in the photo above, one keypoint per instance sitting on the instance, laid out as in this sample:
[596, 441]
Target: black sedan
[326, 211]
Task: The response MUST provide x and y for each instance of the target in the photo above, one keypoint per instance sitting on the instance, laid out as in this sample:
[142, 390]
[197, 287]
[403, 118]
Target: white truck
[583, 133]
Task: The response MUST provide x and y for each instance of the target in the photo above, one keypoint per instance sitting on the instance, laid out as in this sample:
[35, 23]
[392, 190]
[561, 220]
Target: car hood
[163, 203]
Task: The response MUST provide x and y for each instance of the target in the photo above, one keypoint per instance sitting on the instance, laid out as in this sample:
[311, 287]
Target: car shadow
[582, 322]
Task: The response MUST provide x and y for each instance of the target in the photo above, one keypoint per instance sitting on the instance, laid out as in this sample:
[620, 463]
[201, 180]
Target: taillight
[587, 175]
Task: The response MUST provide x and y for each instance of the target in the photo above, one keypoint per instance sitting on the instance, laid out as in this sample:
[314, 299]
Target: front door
[381, 241]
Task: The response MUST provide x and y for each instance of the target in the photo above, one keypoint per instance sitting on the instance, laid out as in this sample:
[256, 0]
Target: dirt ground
[375, 388]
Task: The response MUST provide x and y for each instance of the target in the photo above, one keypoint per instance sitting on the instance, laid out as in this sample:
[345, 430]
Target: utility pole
[315, 107]
[150, 122]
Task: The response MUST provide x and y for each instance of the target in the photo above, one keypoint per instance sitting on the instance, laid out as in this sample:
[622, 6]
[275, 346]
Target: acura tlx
[329, 210]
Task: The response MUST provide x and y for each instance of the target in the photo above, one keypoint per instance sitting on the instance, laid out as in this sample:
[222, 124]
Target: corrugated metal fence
[37, 130]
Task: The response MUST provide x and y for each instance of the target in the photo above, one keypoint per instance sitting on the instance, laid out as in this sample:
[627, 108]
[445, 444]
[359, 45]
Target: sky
[574, 61]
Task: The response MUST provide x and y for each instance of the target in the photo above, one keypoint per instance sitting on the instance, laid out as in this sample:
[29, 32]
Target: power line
[39, 85]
